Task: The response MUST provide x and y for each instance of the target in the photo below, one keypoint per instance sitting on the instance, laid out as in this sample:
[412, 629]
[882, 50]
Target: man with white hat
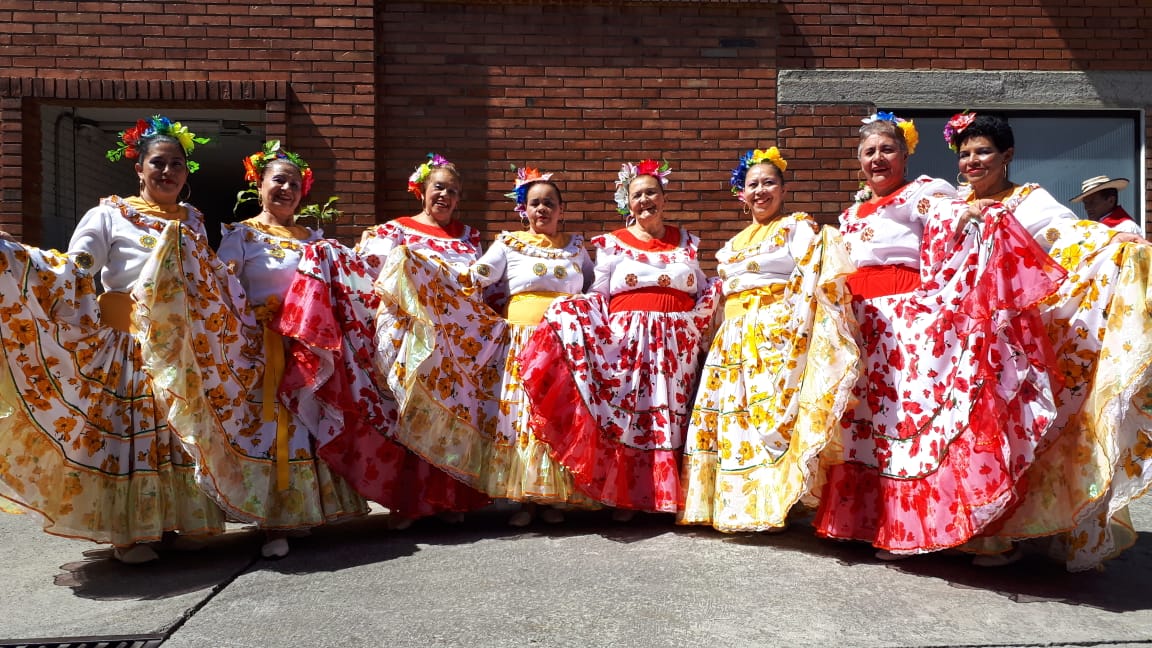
[1101, 199]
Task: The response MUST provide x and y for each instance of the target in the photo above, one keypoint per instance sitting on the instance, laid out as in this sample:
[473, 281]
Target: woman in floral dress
[268, 472]
[1100, 325]
[463, 407]
[87, 442]
[954, 395]
[335, 383]
[763, 412]
[610, 376]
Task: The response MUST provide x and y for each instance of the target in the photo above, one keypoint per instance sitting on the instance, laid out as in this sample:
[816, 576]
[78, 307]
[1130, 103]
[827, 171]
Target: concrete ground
[587, 582]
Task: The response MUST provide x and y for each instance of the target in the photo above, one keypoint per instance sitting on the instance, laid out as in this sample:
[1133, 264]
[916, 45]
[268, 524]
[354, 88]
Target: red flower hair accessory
[955, 126]
[657, 169]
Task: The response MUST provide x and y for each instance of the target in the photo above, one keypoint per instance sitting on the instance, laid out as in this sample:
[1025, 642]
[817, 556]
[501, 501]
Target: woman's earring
[960, 179]
[747, 209]
[189, 196]
[525, 222]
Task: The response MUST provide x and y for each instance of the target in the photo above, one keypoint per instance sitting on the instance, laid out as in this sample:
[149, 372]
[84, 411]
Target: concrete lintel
[959, 88]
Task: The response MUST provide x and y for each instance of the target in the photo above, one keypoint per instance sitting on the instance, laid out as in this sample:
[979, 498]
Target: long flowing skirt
[775, 384]
[954, 396]
[451, 362]
[205, 352]
[610, 395]
[1100, 323]
[332, 384]
[82, 440]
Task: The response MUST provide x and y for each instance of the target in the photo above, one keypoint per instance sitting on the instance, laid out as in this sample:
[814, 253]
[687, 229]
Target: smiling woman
[932, 452]
[609, 375]
[267, 472]
[342, 384]
[1097, 459]
[109, 465]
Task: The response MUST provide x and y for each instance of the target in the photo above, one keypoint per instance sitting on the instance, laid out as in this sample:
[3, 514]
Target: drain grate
[133, 641]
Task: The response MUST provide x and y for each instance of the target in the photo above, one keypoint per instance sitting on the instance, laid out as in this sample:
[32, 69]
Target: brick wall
[577, 89]
[364, 90]
[308, 64]
[1027, 35]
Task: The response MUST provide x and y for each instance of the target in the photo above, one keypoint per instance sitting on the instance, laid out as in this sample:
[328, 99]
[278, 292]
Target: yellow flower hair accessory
[751, 159]
[911, 136]
[129, 144]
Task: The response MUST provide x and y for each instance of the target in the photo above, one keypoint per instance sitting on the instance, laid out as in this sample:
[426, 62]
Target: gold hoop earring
[186, 198]
[747, 210]
[960, 179]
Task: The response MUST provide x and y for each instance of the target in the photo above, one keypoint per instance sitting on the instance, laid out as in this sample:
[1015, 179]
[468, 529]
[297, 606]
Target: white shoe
[998, 560]
[137, 554]
[552, 516]
[276, 548]
[520, 520]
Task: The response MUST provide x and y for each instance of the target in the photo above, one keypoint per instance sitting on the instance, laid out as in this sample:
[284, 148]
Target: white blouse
[891, 235]
[773, 260]
[264, 262]
[458, 253]
[116, 239]
[1037, 211]
[531, 268]
[621, 267]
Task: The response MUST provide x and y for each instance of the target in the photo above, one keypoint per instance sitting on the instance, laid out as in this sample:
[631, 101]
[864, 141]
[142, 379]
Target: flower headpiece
[255, 164]
[751, 159]
[910, 135]
[659, 170]
[525, 176]
[128, 146]
[416, 180]
[955, 126]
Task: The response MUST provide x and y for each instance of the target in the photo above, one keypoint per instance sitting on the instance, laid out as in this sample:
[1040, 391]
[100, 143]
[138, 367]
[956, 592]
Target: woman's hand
[973, 216]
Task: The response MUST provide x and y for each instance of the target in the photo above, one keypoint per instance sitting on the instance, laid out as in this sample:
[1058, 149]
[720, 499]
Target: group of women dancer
[949, 368]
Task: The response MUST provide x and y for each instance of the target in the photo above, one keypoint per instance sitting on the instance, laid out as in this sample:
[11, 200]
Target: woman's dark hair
[146, 142]
[990, 126]
[554, 186]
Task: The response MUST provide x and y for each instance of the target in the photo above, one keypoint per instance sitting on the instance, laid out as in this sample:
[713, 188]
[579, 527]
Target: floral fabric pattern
[954, 395]
[83, 440]
[450, 361]
[764, 412]
[611, 393]
[207, 328]
[1100, 456]
[332, 384]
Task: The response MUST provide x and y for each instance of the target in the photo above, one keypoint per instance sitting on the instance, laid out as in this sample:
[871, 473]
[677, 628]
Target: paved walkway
[588, 582]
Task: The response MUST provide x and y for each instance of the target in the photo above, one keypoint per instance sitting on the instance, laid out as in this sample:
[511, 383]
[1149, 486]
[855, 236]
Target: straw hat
[1099, 183]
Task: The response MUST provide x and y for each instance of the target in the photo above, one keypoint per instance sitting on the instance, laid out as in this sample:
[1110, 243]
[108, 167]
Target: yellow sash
[116, 311]
[737, 304]
[528, 307]
[273, 411]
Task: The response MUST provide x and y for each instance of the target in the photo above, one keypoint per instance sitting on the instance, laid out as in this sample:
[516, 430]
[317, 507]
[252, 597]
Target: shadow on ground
[1120, 586]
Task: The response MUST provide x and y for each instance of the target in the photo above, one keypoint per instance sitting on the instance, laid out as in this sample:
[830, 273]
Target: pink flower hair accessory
[628, 172]
[420, 175]
[955, 126]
